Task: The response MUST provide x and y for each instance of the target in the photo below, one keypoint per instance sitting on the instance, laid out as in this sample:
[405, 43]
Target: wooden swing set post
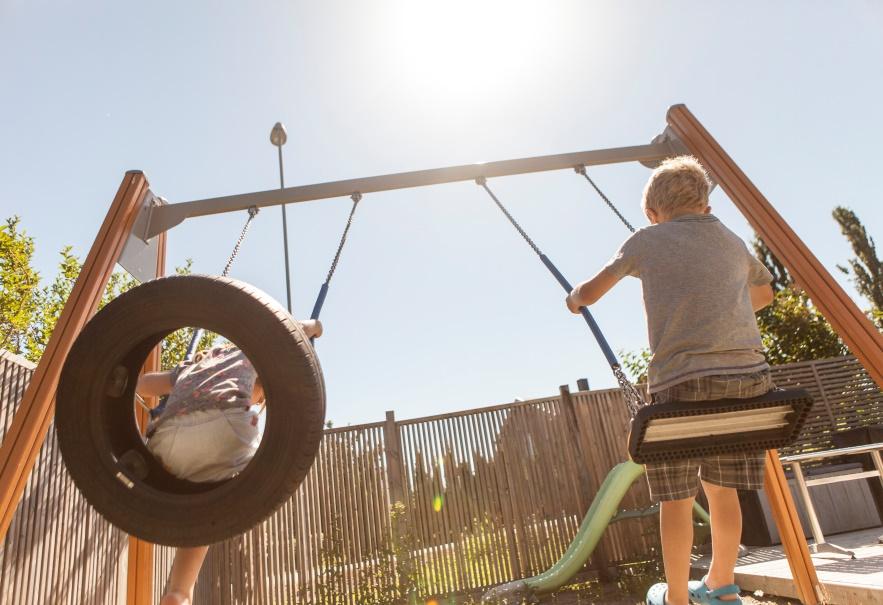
[856, 330]
[139, 572]
[30, 424]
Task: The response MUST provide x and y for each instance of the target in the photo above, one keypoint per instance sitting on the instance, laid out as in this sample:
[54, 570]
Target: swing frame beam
[137, 223]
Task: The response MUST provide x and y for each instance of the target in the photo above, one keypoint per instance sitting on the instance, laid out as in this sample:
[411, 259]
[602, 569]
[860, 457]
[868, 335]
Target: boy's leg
[726, 531]
[676, 533]
[182, 578]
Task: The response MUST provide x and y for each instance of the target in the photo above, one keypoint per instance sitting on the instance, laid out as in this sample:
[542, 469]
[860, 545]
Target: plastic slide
[603, 509]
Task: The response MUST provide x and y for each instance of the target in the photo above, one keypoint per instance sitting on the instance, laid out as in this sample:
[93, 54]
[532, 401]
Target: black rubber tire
[95, 417]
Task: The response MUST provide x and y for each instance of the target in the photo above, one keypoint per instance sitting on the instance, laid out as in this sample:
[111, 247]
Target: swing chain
[252, 212]
[482, 182]
[630, 394]
[581, 169]
[356, 197]
[632, 397]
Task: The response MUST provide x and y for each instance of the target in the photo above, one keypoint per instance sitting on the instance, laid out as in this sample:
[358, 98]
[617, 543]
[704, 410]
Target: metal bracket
[139, 254]
[668, 138]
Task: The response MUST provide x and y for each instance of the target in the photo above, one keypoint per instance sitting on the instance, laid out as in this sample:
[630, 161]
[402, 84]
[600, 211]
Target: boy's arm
[155, 384]
[761, 296]
[588, 292]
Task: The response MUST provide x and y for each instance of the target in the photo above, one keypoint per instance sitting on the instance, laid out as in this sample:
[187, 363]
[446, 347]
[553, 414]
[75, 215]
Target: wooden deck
[847, 581]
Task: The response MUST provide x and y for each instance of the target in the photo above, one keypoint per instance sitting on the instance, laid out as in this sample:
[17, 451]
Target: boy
[209, 430]
[701, 288]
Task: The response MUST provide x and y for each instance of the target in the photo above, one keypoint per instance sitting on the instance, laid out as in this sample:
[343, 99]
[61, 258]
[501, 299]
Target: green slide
[604, 508]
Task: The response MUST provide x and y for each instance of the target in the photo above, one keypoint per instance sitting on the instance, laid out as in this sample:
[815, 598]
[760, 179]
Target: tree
[791, 327]
[636, 364]
[28, 313]
[866, 268]
[49, 302]
[18, 283]
[781, 277]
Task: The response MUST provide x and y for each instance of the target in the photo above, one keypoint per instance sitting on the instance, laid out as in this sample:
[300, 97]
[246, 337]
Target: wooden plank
[28, 430]
[791, 532]
[139, 578]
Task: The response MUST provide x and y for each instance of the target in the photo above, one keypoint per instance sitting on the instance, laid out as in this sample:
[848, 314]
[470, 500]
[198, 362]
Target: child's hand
[312, 327]
[572, 305]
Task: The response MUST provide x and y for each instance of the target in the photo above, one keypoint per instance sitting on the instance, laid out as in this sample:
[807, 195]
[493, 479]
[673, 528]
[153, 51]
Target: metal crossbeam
[163, 218]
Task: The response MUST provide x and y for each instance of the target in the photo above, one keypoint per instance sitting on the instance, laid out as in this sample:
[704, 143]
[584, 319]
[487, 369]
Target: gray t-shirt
[696, 275]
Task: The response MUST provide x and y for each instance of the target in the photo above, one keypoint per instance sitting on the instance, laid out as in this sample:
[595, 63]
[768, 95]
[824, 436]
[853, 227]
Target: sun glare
[457, 49]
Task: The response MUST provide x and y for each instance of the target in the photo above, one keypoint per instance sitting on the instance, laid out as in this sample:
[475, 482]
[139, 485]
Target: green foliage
[18, 284]
[29, 313]
[49, 302]
[636, 363]
[385, 577]
[792, 329]
[781, 277]
[866, 268]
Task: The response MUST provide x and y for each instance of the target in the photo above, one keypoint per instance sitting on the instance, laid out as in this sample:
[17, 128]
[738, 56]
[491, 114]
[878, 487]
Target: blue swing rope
[633, 398]
[323, 291]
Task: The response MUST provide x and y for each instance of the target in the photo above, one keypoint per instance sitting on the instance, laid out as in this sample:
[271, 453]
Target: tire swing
[102, 445]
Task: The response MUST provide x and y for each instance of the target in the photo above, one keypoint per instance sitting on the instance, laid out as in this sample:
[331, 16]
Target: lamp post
[278, 137]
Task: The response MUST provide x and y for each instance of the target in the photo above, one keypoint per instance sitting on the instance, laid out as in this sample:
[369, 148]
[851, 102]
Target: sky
[437, 304]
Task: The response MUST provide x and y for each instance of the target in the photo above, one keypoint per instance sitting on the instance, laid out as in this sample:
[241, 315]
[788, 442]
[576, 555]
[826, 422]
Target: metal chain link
[356, 197]
[634, 400]
[582, 170]
[481, 181]
[252, 212]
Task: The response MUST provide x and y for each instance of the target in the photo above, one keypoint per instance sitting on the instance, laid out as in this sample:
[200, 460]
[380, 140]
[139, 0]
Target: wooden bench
[796, 461]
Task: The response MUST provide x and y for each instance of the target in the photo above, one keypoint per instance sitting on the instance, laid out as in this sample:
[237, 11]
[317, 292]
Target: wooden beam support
[855, 329]
[31, 422]
[139, 575]
[803, 571]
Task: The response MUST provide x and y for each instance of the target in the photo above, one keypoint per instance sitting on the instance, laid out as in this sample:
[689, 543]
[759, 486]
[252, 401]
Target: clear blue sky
[437, 305]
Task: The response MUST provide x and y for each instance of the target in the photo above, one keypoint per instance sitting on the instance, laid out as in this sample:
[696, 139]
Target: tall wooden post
[139, 575]
[856, 330]
[31, 422]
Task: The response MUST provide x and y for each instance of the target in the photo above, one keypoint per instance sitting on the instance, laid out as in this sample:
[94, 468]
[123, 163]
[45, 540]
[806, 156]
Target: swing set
[91, 369]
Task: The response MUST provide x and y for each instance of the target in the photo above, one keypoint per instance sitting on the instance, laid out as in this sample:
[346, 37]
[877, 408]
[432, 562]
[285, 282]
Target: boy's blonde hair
[677, 184]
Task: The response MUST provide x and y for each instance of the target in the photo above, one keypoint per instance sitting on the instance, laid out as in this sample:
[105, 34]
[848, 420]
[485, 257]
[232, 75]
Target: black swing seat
[663, 432]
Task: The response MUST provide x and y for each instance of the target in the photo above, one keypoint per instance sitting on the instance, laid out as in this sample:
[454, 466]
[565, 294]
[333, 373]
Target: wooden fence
[57, 550]
[488, 495]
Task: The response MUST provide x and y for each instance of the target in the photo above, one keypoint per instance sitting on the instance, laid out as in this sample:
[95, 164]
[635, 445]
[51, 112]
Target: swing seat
[664, 432]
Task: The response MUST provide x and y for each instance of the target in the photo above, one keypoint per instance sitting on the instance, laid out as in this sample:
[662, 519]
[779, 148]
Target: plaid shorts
[680, 479]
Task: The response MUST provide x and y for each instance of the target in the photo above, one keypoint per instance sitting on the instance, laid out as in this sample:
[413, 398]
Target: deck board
[848, 582]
